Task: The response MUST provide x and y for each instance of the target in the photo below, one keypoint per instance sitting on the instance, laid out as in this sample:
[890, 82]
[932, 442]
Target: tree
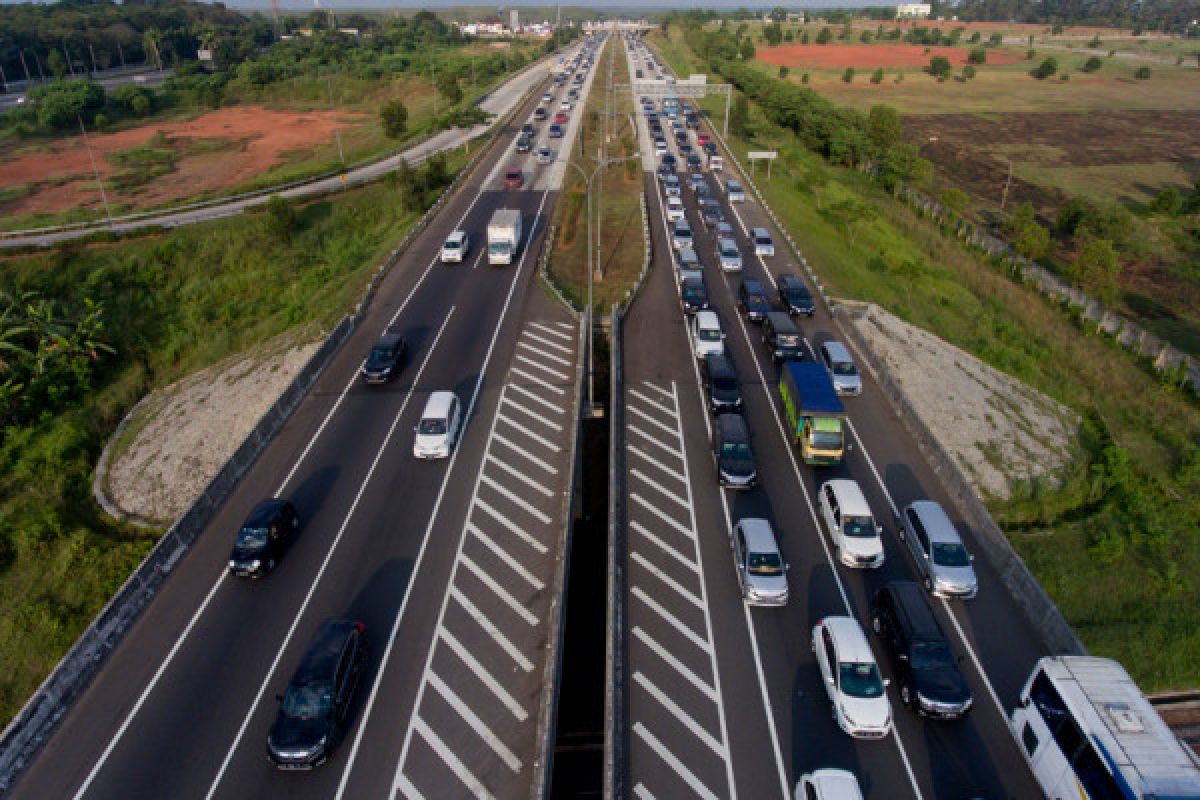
[1093, 64]
[773, 34]
[996, 39]
[804, 38]
[824, 37]
[1046, 68]
[747, 50]
[978, 55]
[955, 201]
[1032, 241]
[850, 213]
[968, 72]
[975, 38]
[789, 35]
[739, 117]
[877, 75]
[884, 128]
[778, 14]
[783, 72]
[939, 67]
[61, 105]
[1143, 73]
[282, 219]
[1071, 216]
[1097, 269]
[815, 179]
[902, 163]
[394, 116]
[848, 75]
[865, 37]
[1169, 201]
[447, 86]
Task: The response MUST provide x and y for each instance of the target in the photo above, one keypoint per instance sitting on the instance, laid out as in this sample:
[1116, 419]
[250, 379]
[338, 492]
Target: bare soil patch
[999, 429]
[837, 56]
[239, 143]
[180, 436]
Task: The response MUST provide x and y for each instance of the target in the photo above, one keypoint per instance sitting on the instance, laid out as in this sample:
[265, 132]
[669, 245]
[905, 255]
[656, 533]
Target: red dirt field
[835, 56]
[255, 140]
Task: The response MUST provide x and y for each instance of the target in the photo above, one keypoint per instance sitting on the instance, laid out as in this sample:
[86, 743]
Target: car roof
[753, 285]
[937, 523]
[789, 281]
[836, 784]
[389, 339]
[724, 241]
[456, 236]
[732, 426]
[849, 638]
[438, 404]
[780, 321]
[910, 603]
[760, 232]
[321, 659]
[850, 497]
[837, 351]
[759, 537]
[707, 319]
[263, 511]
[720, 365]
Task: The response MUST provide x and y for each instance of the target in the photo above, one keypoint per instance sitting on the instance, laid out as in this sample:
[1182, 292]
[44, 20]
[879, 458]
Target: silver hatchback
[760, 568]
[842, 370]
[938, 550]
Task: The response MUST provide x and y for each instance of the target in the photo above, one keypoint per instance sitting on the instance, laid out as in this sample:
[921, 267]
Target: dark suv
[721, 383]
[263, 538]
[930, 681]
[782, 338]
[752, 297]
[795, 296]
[693, 294]
[731, 450]
[386, 358]
[312, 714]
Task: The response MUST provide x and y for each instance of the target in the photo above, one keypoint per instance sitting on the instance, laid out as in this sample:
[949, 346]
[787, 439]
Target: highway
[725, 701]
[450, 564]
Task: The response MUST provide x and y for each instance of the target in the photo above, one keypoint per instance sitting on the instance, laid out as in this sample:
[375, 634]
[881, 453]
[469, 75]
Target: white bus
[1090, 734]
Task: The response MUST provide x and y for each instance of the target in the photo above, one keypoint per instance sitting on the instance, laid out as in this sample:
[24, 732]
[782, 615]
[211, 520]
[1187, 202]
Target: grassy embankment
[622, 249]
[172, 304]
[1125, 575]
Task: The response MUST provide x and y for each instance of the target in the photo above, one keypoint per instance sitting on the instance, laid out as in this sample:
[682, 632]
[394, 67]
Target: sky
[629, 7]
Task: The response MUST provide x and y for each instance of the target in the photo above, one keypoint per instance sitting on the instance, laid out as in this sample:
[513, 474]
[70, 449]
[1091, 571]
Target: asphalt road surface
[450, 564]
[726, 701]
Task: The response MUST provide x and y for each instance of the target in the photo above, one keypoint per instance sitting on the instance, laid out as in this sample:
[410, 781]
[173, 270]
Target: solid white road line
[484, 677]
[671, 761]
[481, 729]
[521, 476]
[324, 565]
[671, 619]
[515, 500]
[535, 379]
[551, 330]
[391, 642]
[512, 527]
[528, 456]
[549, 423]
[648, 401]
[666, 548]
[547, 343]
[642, 454]
[487, 580]
[666, 580]
[540, 353]
[523, 430]
[557, 409]
[674, 663]
[502, 554]
[670, 521]
[452, 761]
[646, 435]
[562, 376]
[656, 423]
[642, 792]
[678, 713]
[644, 478]
[490, 628]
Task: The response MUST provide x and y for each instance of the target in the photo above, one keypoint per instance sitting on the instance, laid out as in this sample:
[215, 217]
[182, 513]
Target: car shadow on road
[310, 495]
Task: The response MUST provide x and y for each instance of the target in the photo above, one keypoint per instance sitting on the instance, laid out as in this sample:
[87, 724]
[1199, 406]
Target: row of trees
[1176, 16]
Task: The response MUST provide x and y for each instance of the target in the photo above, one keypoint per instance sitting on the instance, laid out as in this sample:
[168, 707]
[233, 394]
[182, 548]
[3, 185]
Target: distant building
[514, 21]
[913, 10]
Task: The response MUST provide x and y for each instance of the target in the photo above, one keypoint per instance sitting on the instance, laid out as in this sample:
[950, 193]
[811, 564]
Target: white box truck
[504, 236]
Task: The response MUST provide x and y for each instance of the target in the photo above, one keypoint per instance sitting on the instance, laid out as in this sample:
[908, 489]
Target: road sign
[762, 155]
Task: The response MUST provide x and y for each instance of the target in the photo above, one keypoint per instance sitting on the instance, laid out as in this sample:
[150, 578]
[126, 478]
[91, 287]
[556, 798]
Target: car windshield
[452, 244]
[860, 680]
[309, 701]
[827, 440]
[432, 427]
[931, 655]
[858, 526]
[252, 538]
[694, 293]
[798, 296]
[787, 340]
[950, 554]
[735, 450]
[499, 247]
[729, 252]
[762, 240]
[756, 300]
[844, 368]
[764, 564]
[709, 335]
[379, 357]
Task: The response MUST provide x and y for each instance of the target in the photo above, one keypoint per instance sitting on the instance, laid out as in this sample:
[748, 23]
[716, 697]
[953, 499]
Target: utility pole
[337, 133]
[3, 81]
[1007, 183]
[121, 54]
[96, 172]
[92, 50]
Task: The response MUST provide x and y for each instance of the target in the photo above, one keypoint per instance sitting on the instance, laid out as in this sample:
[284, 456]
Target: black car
[925, 667]
[721, 383]
[386, 358]
[685, 147]
[781, 337]
[263, 538]
[710, 148]
[539, 113]
[693, 161]
[312, 713]
[694, 295]
[795, 296]
[668, 160]
[753, 299]
[731, 450]
[524, 144]
[711, 216]
[527, 129]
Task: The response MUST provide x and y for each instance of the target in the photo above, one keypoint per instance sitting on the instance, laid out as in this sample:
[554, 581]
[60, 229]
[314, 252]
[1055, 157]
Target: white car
[828, 784]
[840, 365]
[707, 336]
[851, 678]
[855, 534]
[457, 245]
[671, 186]
[440, 426]
[547, 97]
[729, 255]
[674, 208]
[565, 105]
[545, 155]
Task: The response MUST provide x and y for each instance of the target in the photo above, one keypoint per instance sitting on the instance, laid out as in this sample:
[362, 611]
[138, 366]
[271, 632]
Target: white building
[913, 10]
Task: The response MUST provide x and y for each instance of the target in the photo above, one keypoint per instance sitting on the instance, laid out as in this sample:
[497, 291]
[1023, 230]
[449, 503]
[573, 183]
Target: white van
[852, 527]
[440, 426]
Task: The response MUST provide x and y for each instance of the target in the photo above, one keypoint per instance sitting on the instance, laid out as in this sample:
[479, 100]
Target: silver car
[728, 255]
[938, 550]
[842, 370]
[760, 568]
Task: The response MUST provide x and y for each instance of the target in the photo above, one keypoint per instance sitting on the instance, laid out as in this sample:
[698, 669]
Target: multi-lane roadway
[450, 564]
[723, 700]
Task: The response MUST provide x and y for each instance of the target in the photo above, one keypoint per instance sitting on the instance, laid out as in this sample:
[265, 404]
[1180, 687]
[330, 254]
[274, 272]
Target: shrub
[995, 40]
[783, 72]
[394, 116]
[1096, 269]
[976, 37]
[62, 104]
[1030, 55]
[977, 55]
[824, 37]
[1169, 201]
[968, 72]
[848, 75]
[877, 76]
[1095, 43]
[1092, 64]
[804, 78]
[1143, 73]
[1047, 68]
[865, 37]
[955, 200]
[939, 67]
[282, 219]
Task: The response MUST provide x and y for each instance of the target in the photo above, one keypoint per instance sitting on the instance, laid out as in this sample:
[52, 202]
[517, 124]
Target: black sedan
[263, 538]
[386, 358]
[795, 296]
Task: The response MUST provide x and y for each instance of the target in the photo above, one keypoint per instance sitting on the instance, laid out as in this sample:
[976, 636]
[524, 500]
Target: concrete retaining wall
[37, 721]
